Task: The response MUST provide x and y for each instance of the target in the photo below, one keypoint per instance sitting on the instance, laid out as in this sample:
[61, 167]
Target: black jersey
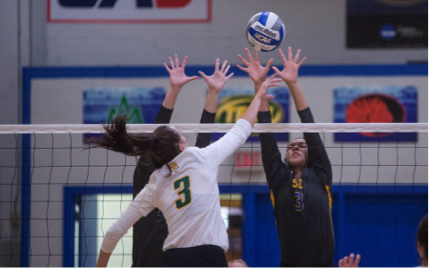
[150, 232]
[302, 207]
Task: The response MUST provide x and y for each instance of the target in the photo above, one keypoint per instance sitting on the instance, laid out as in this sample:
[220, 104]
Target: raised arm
[215, 83]
[177, 80]
[317, 154]
[271, 156]
[224, 147]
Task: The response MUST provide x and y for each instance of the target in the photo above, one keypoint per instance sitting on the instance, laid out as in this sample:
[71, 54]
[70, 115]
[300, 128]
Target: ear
[181, 148]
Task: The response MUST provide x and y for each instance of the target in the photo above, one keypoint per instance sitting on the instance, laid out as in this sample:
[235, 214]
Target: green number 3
[183, 188]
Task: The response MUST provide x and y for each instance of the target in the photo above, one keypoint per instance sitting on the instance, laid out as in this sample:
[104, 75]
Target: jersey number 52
[182, 187]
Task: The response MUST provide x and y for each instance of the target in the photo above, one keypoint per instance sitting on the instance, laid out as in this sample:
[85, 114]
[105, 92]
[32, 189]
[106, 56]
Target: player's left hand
[290, 66]
[254, 68]
[217, 80]
[350, 261]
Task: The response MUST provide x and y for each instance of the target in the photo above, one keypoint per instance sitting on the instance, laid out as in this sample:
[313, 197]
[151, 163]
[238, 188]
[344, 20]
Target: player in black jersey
[300, 186]
[150, 232]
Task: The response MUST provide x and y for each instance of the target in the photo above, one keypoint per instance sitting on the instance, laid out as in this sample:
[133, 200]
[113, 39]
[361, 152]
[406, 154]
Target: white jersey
[188, 198]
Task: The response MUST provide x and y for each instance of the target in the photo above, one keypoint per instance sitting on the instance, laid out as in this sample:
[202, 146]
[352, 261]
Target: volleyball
[265, 31]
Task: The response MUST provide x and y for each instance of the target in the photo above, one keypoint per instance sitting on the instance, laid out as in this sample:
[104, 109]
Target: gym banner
[375, 104]
[129, 11]
[233, 102]
[387, 24]
[140, 105]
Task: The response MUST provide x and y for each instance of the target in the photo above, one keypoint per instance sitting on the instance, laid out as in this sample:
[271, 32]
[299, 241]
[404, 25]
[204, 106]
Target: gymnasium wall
[317, 27]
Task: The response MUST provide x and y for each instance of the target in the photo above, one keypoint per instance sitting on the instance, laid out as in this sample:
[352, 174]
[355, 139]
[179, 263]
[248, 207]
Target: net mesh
[58, 198]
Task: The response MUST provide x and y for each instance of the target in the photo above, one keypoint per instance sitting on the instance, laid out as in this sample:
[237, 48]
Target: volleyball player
[184, 187]
[150, 232]
[422, 241]
[300, 186]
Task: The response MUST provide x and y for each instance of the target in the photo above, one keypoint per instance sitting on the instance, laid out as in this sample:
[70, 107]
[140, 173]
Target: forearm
[103, 259]
[171, 97]
[252, 110]
[211, 101]
[265, 105]
[203, 139]
[297, 95]
[271, 156]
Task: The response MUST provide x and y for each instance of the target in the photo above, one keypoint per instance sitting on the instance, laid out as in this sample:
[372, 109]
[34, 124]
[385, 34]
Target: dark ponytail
[161, 147]
[423, 235]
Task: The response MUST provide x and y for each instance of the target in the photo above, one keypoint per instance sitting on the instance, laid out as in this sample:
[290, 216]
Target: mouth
[296, 153]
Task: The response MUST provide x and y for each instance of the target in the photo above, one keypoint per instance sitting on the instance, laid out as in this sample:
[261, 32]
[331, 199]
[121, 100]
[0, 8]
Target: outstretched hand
[290, 67]
[272, 81]
[217, 80]
[350, 261]
[178, 77]
[254, 68]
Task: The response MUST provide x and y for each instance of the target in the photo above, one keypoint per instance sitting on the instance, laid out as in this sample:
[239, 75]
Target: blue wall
[377, 221]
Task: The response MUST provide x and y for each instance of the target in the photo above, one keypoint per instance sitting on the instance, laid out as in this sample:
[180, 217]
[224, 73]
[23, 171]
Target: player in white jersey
[184, 187]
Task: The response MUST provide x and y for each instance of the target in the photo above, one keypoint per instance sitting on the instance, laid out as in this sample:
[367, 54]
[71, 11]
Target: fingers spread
[230, 75]
[166, 67]
[171, 62]
[249, 56]
[269, 64]
[202, 74]
[241, 68]
[256, 54]
[297, 55]
[184, 62]
[275, 69]
[290, 53]
[282, 56]
[223, 66]
[217, 65]
[243, 60]
[301, 62]
[227, 69]
[176, 59]
[357, 260]
[193, 78]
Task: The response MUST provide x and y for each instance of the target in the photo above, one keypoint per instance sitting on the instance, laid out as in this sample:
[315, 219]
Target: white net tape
[222, 128]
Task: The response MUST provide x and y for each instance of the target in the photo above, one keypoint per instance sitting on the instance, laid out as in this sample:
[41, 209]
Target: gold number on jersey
[182, 187]
[299, 205]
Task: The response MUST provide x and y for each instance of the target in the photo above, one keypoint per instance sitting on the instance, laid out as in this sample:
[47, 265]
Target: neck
[297, 169]
[424, 262]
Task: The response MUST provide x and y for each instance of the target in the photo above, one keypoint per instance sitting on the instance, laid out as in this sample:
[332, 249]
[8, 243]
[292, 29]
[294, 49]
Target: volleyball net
[58, 197]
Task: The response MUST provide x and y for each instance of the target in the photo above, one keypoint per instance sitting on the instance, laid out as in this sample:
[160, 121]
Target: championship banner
[387, 23]
[129, 11]
[375, 104]
[234, 101]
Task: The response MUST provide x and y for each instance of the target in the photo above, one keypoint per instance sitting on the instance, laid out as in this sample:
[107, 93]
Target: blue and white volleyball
[265, 31]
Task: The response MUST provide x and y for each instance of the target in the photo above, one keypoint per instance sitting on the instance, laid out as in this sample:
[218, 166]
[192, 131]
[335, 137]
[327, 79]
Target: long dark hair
[161, 147]
[422, 234]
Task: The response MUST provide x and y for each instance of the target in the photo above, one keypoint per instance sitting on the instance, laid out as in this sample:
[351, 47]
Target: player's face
[183, 141]
[296, 153]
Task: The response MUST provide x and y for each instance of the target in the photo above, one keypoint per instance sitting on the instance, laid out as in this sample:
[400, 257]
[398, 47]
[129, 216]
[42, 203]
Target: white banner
[129, 11]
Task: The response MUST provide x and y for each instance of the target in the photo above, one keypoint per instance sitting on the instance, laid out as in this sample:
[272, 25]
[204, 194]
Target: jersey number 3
[182, 187]
[299, 205]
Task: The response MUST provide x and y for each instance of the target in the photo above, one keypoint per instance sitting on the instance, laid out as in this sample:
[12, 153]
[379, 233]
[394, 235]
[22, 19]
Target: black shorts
[200, 256]
[282, 264]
